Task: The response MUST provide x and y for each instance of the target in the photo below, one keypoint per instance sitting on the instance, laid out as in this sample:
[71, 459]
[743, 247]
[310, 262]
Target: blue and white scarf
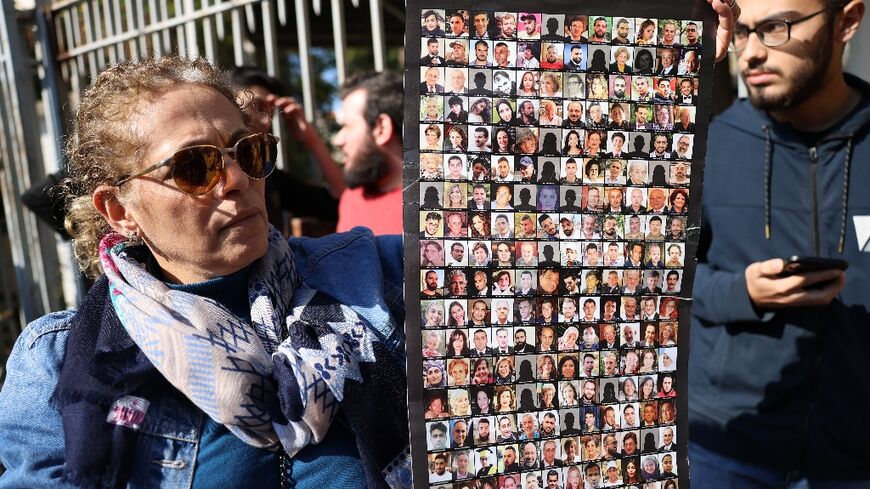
[238, 372]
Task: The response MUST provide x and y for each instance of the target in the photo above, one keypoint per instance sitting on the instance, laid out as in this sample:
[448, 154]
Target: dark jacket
[785, 388]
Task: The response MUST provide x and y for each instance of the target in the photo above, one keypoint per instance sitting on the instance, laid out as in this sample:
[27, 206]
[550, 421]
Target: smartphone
[802, 264]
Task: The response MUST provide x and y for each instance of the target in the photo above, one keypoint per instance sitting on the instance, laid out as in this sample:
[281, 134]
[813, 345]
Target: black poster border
[681, 9]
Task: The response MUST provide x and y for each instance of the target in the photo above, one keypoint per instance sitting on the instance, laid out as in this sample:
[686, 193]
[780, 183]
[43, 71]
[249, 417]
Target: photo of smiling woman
[202, 317]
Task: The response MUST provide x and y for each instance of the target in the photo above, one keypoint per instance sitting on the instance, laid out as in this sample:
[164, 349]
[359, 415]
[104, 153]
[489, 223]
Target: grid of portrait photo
[555, 157]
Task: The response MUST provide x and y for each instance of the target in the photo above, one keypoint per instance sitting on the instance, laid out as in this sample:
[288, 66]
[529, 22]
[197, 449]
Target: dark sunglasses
[197, 169]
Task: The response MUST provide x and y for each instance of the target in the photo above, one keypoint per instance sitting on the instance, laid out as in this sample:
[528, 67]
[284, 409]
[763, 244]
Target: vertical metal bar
[108, 15]
[338, 38]
[98, 32]
[140, 25]
[377, 20]
[303, 34]
[270, 40]
[89, 37]
[190, 31]
[118, 27]
[208, 35]
[52, 101]
[19, 145]
[236, 27]
[164, 14]
[130, 26]
[250, 18]
[58, 29]
[282, 11]
[180, 31]
[156, 45]
[220, 23]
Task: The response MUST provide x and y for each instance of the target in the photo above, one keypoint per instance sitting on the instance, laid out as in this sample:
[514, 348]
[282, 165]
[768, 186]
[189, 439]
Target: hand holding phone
[803, 264]
[796, 282]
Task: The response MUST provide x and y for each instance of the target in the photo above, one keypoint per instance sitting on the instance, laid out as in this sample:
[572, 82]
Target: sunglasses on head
[197, 169]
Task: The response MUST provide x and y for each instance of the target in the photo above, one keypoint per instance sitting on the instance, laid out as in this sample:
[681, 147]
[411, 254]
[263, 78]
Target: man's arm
[749, 295]
[307, 135]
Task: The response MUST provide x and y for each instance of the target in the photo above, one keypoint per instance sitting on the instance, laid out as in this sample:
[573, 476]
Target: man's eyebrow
[785, 15]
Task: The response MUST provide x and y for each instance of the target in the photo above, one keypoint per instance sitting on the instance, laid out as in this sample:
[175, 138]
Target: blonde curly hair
[105, 144]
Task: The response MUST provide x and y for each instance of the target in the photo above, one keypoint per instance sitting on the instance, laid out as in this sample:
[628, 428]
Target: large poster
[553, 161]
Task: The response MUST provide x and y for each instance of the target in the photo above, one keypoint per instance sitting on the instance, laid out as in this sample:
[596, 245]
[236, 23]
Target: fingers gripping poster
[553, 162]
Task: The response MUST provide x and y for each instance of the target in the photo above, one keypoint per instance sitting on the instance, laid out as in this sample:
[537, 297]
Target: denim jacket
[356, 268]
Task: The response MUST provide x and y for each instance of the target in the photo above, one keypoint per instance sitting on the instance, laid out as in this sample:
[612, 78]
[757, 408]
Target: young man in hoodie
[778, 365]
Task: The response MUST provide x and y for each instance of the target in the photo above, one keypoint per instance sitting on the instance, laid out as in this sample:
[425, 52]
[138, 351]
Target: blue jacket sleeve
[721, 297]
[31, 429]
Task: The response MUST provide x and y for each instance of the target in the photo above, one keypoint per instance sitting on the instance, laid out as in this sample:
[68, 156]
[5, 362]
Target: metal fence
[51, 52]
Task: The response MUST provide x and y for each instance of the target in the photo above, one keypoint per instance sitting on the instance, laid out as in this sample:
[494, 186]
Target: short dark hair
[248, 75]
[383, 96]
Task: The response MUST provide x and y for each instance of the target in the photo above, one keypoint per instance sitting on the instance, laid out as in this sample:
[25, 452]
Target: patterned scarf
[239, 373]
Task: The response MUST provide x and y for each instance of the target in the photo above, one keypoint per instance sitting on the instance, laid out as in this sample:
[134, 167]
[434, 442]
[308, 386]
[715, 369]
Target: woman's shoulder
[39, 352]
[31, 446]
[46, 336]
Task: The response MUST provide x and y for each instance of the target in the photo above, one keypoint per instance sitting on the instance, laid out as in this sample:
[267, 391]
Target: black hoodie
[789, 388]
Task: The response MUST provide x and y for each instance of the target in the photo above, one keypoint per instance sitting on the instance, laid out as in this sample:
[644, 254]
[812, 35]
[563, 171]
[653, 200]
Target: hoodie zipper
[814, 200]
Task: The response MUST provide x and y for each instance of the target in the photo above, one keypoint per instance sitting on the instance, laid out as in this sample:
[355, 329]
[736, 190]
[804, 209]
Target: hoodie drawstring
[768, 163]
[845, 193]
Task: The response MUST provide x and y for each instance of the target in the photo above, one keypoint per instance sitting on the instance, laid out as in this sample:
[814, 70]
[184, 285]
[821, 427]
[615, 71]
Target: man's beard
[369, 168]
[807, 79]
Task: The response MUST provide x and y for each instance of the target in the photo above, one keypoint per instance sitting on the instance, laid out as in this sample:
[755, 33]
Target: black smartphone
[802, 264]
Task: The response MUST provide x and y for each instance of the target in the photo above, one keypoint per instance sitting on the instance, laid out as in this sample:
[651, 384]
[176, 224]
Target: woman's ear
[108, 204]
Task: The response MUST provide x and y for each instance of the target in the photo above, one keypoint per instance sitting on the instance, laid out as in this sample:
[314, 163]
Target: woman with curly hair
[504, 370]
[568, 367]
[527, 141]
[549, 116]
[193, 325]
[573, 145]
[646, 33]
[480, 112]
[480, 225]
[568, 395]
[482, 372]
[679, 201]
[546, 368]
[597, 87]
[456, 141]
[505, 398]
[551, 86]
[454, 198]
[503, 140]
